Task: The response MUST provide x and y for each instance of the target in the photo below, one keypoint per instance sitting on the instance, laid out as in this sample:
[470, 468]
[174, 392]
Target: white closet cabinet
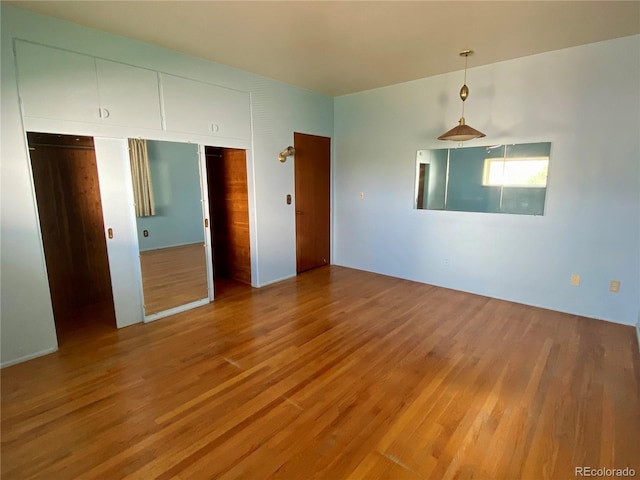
[57, 84]
[129, 96]
[202, 108]
[62, 85]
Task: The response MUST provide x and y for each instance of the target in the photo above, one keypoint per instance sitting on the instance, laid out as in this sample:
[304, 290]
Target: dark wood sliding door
[229, 213]
[70, 210]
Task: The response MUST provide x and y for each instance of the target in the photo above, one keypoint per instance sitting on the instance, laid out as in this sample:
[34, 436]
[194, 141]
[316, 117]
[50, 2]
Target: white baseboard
[29, 357]
[172, 246]
[173, 311]
[271, 282]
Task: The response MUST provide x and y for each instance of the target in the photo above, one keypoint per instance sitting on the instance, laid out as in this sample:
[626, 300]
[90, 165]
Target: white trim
[270, 282]
[71, 127]
[252, 200]
[199, 242]
[29, 357]
[175, 310]
[206, 219]
[253, 216]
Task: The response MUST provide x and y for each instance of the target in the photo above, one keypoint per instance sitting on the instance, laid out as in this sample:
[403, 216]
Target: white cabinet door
[57, 84]
[116, 192]
[201, 108]
[233, 110]
[129, 96]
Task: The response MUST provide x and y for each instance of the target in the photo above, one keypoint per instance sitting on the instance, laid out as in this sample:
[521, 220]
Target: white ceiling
[343, 47]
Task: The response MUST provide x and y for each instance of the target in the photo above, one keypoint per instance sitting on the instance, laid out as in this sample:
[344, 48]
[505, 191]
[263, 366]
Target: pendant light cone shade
[462, 131]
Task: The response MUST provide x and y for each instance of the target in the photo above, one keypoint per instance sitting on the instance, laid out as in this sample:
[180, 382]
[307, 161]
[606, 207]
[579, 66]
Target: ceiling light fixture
[463, 131]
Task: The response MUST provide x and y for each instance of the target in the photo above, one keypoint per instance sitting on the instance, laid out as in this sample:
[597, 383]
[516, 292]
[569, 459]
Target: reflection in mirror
[171, 234]
[494, 179]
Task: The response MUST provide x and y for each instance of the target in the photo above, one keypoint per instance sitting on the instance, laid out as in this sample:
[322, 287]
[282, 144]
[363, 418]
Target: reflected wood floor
[335, 374]
[173, 276]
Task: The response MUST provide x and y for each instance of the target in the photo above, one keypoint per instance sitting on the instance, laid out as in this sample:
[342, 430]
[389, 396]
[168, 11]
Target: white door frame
[204, 189]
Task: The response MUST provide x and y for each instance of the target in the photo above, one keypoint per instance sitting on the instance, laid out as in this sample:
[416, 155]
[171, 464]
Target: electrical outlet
[145, 233]
[361, 195]
[614, 286]
[575, 279]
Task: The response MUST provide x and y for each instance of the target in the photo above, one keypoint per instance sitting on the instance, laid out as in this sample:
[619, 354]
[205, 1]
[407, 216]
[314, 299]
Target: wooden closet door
[65, 176]
[229, 207]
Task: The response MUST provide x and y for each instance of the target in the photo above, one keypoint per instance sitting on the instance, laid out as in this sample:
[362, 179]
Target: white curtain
[141, 175]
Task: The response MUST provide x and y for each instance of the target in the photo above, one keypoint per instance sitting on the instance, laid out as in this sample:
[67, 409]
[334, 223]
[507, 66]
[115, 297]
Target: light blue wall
[175, 177]
[584, 100]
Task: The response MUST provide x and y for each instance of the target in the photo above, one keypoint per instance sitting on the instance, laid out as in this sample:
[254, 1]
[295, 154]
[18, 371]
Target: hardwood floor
[173, 276]
[336, 374]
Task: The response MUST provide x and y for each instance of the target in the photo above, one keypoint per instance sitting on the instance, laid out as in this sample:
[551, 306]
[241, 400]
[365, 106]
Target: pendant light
[463, 131]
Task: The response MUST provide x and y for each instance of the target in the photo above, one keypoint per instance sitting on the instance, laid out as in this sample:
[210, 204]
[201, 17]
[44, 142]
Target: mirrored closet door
[170, 222]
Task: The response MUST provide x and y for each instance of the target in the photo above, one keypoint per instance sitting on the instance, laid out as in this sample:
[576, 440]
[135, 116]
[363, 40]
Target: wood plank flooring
[173, 276]
[336, 374]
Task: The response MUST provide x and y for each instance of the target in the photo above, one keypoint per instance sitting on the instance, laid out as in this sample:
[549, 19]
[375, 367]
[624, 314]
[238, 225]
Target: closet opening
[69, 206]
[229, 215]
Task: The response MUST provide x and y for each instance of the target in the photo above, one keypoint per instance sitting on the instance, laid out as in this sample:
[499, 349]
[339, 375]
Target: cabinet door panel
[196, 107]
[232, 110]
[57, 84]
[129, 95]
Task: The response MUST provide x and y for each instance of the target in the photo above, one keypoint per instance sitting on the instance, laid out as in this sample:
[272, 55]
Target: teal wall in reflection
[175, 176]
[435, 200]
[463, 188]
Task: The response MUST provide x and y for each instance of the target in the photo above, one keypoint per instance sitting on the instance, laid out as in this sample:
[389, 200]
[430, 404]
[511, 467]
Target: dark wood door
[229, 213]
[313, 204]
[65, 177]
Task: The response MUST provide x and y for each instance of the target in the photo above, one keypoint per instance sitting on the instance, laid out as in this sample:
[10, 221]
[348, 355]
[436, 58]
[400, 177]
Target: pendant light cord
[466, 58]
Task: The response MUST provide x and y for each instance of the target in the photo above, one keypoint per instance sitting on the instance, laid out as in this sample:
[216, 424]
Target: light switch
[575, 279]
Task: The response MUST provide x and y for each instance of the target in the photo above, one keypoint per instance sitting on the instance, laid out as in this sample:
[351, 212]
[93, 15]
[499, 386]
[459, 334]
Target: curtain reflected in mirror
[171, 239]
[141, 178]
[493, 179]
